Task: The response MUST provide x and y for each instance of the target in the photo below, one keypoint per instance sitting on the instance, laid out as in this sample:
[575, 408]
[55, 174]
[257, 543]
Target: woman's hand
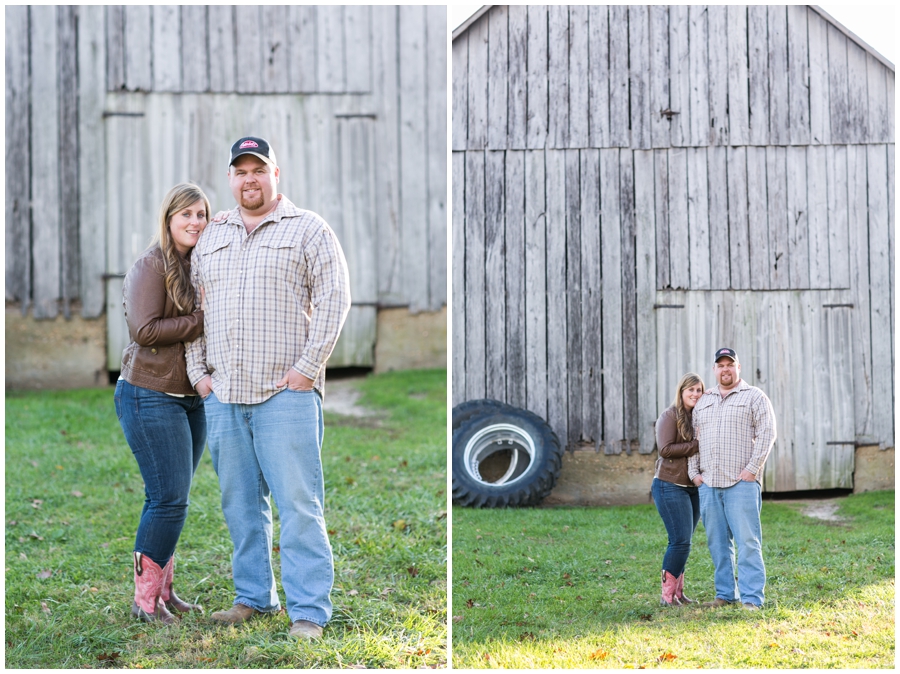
[221, 216]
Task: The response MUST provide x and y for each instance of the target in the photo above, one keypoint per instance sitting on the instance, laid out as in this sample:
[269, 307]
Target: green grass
[74, 495]
[579, 588]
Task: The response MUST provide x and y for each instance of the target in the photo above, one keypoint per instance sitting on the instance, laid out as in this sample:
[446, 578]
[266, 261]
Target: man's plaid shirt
[735, 432]
[275, 299]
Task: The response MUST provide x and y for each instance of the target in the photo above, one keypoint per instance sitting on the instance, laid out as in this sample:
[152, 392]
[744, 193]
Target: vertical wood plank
[556, 309]
[115, 45]
[475, 295]
[166, 48]
[301, 26]
[91, 158]
[413, 181]
[436, 124]
[46, 227]
[222, 77]
[138, 48]
[629, 301]
[838, 86]
[273, 42]
[494, 276]
[680, 75]
[798, 218]
[579, 112]
[478, 85]
[591, 299]
[498, 73]
[838, 234]
[535, 284]
[819, 103]
[679, 236]
[358, 46]
[330, 48]
[661, 189]
[878, 123]
[460, 113]
[659, 75]
[515, 277]
[356, 202]
[558, 75]
[194, 41]
[67, 58]
[758, 219]
[573, 296]
[611, 271]
[717, 172]
[718, 74]
[779, 97]
[858, 94]
[698, 219]
[699, 74]
[619, 133]
[738, 75]
[758, 51]
[778, 217]
[18, 170]
[645, 273]
[598, 75]
[639, 67]
[817, 205]
[518, 76]
[738, 231]
[536, 101]
[892, 228]
[881, 293]
[798, 74]
[458, 267]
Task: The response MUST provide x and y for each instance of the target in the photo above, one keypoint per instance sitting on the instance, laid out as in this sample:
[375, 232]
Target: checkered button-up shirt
[735, 432]
[275, 298]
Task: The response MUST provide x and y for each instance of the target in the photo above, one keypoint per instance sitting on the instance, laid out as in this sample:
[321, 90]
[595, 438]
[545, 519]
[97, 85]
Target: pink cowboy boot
[679, 590]
[167, 594]
[148, 580]
[668, 590]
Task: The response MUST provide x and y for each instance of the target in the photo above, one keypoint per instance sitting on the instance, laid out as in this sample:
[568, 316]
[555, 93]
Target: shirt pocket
[739, 412]
[217, 263]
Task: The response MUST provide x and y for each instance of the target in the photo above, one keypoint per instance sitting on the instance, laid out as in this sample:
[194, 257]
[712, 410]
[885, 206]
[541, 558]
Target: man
[735, 424]
[277, 293]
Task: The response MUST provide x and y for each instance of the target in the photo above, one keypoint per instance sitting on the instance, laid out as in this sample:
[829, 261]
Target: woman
[161, 414]
[675, 495]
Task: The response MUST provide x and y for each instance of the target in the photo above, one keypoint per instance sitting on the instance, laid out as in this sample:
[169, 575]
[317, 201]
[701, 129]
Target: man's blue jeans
[679, 508]
[731, 515]
[274, 448]
[166, 435]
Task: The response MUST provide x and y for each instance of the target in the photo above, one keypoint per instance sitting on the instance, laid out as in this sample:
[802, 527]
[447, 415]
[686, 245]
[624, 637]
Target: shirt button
[152, 350]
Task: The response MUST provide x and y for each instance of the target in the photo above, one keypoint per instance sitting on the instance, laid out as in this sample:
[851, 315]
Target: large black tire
[503, 456]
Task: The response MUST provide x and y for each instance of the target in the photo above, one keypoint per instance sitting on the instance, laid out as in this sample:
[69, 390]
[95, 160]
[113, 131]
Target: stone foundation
[408, 341]
[874, 469]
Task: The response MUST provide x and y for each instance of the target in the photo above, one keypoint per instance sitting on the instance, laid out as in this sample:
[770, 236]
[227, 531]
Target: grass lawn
[579, 588]
[74, 495]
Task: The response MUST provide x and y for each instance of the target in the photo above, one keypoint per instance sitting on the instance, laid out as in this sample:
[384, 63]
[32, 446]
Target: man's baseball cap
[258, 147]
[726, 352]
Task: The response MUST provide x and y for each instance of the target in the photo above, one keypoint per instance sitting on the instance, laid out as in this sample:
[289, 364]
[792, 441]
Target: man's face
[253, 183]
[727, 372]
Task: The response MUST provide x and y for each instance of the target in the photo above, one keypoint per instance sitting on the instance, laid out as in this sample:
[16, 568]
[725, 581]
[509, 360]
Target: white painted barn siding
[352, 98]
[635, 186]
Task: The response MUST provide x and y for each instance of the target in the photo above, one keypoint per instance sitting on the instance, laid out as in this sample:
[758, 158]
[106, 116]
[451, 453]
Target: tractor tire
[503, 456]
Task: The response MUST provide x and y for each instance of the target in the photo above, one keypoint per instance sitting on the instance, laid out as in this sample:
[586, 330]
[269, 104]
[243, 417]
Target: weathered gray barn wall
[635, 186]
[353, 99]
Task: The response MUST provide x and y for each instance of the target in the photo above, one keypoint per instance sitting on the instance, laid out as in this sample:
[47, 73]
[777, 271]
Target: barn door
[795, 346]
[154, 141]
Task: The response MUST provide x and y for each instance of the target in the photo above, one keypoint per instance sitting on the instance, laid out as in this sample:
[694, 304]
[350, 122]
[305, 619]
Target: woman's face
[690, 395]
[185, 226]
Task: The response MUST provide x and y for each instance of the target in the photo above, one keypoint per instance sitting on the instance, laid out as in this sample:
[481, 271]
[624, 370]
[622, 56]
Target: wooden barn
[107, 107]
[636, 186]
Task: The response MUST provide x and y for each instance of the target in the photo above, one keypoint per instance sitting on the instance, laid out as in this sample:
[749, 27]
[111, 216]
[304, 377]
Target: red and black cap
[258, 147]
[725, 352]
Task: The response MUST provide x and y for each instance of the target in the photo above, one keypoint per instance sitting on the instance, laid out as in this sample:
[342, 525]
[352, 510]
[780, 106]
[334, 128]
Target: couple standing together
[230, 331]
[712, 448]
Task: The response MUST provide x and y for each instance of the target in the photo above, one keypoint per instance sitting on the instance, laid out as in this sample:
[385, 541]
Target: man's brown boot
[716, 603]
[304, 629]
[235, 615]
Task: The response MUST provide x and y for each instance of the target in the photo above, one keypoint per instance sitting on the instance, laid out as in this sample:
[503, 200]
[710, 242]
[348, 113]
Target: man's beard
[253, 205]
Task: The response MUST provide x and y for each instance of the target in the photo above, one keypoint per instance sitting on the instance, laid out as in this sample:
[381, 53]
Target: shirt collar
[284, 209]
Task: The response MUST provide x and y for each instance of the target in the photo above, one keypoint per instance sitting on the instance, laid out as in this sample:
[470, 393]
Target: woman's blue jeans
[679, 508]
[166, 435]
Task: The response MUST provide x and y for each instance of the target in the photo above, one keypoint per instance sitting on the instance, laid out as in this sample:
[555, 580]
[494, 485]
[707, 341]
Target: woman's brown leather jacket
[671, 466]
[154, 358]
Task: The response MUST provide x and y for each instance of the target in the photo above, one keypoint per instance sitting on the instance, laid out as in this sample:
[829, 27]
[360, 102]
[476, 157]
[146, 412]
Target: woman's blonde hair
[683, 416]
[178, 282]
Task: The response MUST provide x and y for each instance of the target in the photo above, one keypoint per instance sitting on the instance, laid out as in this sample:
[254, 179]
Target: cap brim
[255, 154]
